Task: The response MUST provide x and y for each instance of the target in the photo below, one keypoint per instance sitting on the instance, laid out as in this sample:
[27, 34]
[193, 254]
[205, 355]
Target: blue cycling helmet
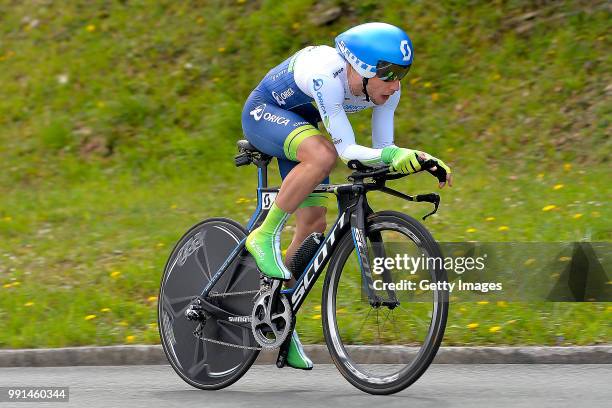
[377, 49]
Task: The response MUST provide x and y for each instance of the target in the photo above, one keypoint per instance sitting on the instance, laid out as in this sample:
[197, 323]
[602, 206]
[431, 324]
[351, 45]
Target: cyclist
[281, 116]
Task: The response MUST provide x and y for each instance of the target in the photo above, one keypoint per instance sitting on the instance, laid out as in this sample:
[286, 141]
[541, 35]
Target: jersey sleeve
[382, 122]
[328, 94]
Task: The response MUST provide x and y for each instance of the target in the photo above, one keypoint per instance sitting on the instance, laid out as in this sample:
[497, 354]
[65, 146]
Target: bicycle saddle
[246, 146]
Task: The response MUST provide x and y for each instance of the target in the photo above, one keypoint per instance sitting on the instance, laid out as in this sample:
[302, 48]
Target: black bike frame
[352, 211]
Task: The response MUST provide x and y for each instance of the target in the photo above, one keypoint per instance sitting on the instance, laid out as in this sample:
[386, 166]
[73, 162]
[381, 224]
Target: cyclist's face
[380, 91]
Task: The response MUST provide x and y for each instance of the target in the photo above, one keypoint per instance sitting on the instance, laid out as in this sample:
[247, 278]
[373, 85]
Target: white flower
[62, 79]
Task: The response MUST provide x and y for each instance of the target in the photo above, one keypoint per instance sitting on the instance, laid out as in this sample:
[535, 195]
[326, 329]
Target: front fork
[359, 232]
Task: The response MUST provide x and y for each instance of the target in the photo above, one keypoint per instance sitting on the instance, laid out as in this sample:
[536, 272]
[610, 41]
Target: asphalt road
[266, 386]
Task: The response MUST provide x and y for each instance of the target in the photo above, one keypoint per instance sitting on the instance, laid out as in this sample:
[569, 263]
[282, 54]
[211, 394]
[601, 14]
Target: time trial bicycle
[216, 311]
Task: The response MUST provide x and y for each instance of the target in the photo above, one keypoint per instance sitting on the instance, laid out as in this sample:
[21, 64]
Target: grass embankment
[118, 124]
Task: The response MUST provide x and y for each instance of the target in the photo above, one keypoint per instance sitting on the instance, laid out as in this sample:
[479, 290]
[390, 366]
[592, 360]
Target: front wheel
[382, 348]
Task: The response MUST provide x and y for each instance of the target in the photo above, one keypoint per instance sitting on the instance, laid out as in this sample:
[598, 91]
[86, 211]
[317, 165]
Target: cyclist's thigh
[273, 130]
[285, 166]
[276, 131]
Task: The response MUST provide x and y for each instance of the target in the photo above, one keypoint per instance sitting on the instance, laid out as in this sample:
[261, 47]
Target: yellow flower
[173, 206]
[16, 283]
[105, 310]
[540, 175]
[152, 325]
[151, 298]
[316, 317]
[115, 274]
[472, 325]
[503, 228]
[427, 85]
[317, 307]
[160, 244]
[7, 219]
[564, 258]
[91, 28]
[529, 261]
[490, 219]
[501, 303]
[100, 104]
[470, 230]
[29, 304]
[494, 329]
[435, 96]
[450, 150]
[558, 186]
[483, 302]
[129, 339]
[576, 216]
[123, 323]
[90, 317]
[7, 285]
[567, 166]
[241, 1]
[462, 309]
[549, 207]
[221, 49]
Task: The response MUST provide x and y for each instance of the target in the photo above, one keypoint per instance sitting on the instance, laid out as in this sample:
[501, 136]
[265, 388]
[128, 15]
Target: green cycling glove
[408, 161]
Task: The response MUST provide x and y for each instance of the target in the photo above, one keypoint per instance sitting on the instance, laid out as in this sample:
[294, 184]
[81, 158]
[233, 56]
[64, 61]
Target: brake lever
[429, 198]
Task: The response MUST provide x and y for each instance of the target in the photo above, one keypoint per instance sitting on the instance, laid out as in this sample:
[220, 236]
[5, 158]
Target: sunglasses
[388, 72]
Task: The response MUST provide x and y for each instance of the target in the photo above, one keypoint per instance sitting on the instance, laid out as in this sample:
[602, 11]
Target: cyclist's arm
[382, 122]
[329, 96]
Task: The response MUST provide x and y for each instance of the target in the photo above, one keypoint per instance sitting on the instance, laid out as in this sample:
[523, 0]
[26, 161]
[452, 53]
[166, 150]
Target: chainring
[271, 328]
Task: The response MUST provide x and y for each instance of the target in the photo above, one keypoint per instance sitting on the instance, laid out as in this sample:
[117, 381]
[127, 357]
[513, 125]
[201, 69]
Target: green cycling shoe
[296, 357]
[264, 244]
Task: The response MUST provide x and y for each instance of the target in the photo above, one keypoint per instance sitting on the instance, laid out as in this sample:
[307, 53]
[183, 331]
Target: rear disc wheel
[223, 350]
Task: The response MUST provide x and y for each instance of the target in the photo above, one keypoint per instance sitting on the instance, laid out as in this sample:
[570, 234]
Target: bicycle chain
[225, 294]
[224, 343]
[198, 331]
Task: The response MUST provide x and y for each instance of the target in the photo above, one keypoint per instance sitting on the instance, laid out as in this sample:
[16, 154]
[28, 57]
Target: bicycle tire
[381, 221]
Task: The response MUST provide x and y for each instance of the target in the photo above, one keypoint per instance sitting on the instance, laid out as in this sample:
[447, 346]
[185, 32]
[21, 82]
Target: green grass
[118, 123]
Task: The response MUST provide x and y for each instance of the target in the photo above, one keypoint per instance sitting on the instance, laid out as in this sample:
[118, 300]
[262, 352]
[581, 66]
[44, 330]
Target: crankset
[272, 317]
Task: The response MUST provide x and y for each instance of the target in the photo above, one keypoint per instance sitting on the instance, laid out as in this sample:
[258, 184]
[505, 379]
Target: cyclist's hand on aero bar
[440, 170]
[408, 161]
